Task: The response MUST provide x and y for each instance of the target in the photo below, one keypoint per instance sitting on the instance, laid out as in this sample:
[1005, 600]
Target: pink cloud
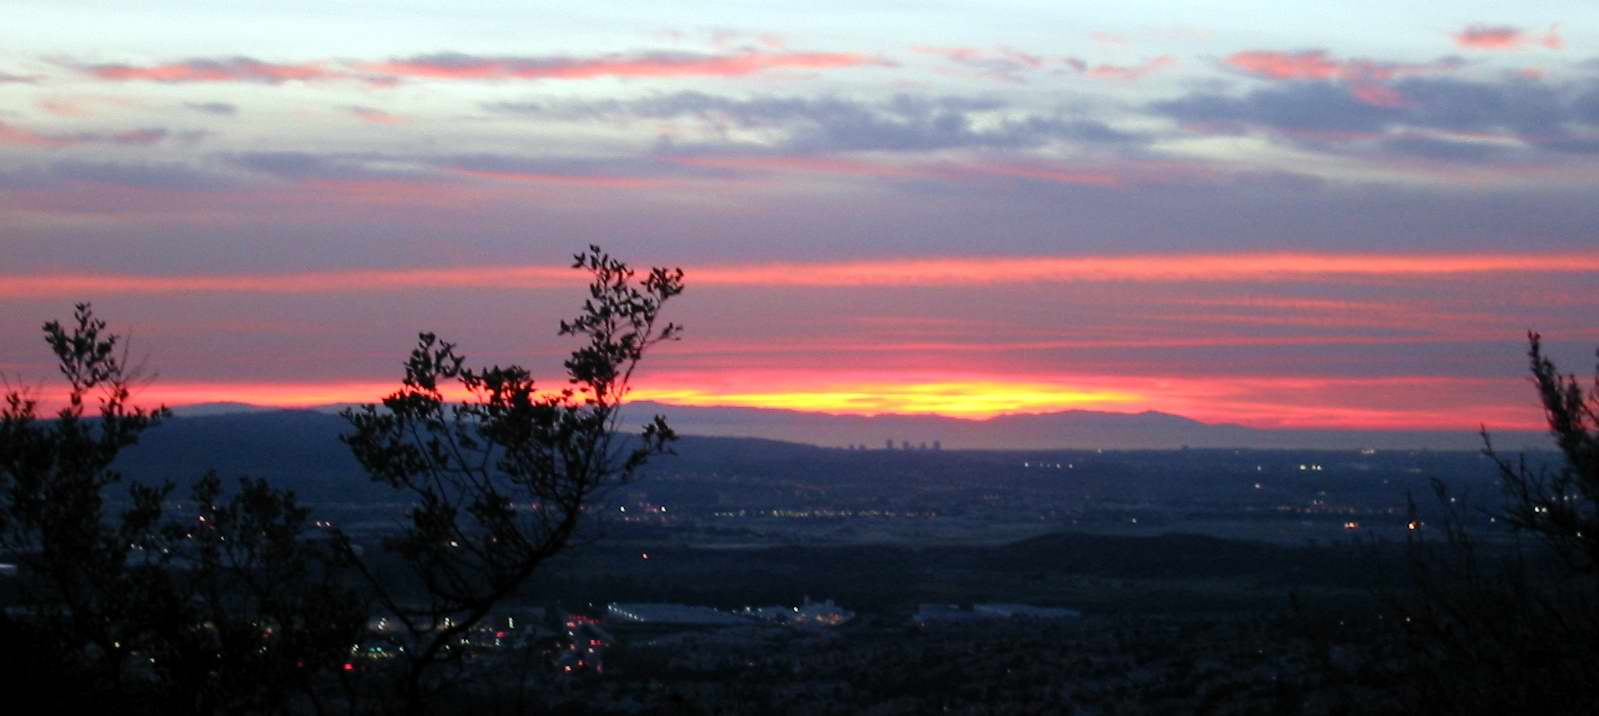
[1366, 79]
[19, 136]
[63, 107]
[1505, 37]
[228, 69]
[654, 64]
[1261, 268]
[1132, 72]
[1306, 65]
[457, 66]
[372, 115]
[1019, 57]
[1379, 95]
[28, 137]
[1318, 65]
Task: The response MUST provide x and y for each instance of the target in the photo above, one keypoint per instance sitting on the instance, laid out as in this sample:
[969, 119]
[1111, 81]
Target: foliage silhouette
[1514, 628]
[125, 605]
[500, 479]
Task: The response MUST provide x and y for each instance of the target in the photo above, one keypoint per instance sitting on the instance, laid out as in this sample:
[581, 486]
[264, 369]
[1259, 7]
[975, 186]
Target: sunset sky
[1342, 215]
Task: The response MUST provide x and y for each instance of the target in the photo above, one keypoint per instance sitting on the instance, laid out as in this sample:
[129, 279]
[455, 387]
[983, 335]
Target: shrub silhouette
[500, 479]
[1514, 628]
[228, 610]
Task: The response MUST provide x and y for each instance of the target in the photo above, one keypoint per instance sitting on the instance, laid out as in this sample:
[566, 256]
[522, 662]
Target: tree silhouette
[500, 479]
[1561, 506]
[54, 517]
[125, 605]
[1514, 628]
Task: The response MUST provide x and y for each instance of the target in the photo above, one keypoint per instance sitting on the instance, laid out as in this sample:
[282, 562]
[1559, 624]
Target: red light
[348, 666]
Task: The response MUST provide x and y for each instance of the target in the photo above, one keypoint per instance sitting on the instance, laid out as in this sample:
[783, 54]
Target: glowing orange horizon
[1280, 402]
[955, 399]
[940, 272]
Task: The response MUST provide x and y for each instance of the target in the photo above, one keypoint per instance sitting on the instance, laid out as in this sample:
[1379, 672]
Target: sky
[1334, 215]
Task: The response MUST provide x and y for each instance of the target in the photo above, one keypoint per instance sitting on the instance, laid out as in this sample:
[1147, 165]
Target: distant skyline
[1277, 216]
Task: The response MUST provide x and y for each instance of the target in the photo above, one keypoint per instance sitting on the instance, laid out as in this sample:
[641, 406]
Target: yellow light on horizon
[964, 399]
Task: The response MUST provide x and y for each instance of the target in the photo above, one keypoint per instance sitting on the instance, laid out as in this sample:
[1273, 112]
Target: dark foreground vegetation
[447, 581]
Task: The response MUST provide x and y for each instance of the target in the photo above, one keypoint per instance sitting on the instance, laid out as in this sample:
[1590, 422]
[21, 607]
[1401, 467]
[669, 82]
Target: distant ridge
[200, 410]
[1072, 429]
[203, 410]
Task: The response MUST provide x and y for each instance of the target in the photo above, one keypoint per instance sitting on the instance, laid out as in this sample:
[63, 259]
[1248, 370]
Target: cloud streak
[949, 272]
[219, 69]
[1003, 64]
[1124, 73]
[1367, 79]
[461, 66]
[1320, 65]
[1010, 65]
[13, 135]
[22, 136]
[817, 125]
[220, 109]
[373, 115]
[1506, 37]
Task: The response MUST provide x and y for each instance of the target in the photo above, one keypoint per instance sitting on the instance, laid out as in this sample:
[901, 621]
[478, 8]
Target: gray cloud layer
[217, 108]
[903, 123]
[1559, 118]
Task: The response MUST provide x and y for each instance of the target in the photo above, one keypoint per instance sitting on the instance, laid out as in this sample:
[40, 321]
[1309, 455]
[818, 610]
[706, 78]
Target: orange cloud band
[944, 272]
[968, 399]
[1266, 402]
